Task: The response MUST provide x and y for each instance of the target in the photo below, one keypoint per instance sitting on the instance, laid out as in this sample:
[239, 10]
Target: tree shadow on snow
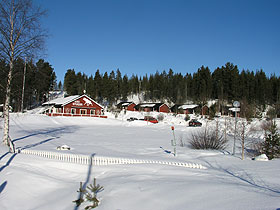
[4, 155]
[245, 179]
[87, 179]
[36, 144]
[51, 133]
[2, 186]
[166, 151]
[8, 162]
[54, 132]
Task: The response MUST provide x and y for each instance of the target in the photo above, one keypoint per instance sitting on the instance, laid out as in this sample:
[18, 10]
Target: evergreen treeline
[40, 78]
[226, 83]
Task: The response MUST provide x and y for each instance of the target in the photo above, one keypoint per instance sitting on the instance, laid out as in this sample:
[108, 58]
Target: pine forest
[226, 83]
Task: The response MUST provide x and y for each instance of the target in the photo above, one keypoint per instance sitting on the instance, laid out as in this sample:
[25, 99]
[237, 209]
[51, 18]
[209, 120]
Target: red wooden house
[74, 106]
[184, 108]
[126, 106]
[152, 107]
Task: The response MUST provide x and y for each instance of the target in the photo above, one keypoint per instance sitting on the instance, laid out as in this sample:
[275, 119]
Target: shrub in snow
[271, 113]
[208, 139]
[63, 147]
[261, 157]
[187, 117]
[81, 192]
[212, 111]
[90, 194]
[160, 117]
[271, 145]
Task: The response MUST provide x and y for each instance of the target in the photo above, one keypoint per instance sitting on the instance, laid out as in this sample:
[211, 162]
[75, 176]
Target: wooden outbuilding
[152, 107]
[129, 106]
[77, 105]
[184, 108]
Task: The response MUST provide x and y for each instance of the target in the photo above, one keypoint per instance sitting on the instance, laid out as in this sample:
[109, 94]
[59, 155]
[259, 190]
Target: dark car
[150, 119]
[195, 123]
[132, 119]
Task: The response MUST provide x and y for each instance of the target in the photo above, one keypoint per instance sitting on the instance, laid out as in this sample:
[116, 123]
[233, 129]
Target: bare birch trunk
[20, 34]
[243, 139]
[6, 138]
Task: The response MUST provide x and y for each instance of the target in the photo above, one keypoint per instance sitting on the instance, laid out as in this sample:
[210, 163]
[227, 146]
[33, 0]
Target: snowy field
[30, 182]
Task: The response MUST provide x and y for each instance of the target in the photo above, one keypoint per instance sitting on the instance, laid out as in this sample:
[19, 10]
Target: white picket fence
[101, 161]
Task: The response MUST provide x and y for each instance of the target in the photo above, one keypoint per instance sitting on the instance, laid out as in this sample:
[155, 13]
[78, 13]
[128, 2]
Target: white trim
[70, 99]
[92, 110]
[75, 111]
[83, 110]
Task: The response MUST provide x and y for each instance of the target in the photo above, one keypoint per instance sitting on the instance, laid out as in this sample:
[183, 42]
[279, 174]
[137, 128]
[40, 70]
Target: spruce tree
[271, 146]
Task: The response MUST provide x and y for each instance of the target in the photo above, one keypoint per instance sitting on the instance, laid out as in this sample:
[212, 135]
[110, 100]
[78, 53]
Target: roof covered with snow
[147, 105]
[67, 100]
[61, 101]
[124, 103]
[188, 106]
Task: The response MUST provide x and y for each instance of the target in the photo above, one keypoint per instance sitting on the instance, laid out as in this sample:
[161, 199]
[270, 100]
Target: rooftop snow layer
[60, 101]
[188, 106]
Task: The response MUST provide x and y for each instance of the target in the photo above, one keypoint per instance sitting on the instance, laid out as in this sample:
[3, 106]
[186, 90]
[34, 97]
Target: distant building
[126, 106]
[184, 108]
[152, 107]
[2, 109]
[74, 106]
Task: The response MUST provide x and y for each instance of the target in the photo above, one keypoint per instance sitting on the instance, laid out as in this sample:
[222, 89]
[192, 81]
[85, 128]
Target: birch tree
[21, 35]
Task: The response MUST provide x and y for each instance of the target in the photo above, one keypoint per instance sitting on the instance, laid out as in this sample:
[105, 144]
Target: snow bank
[33, 182]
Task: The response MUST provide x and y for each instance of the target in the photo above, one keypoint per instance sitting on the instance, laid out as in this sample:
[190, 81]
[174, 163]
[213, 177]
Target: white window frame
[92, 112]
[83, 110]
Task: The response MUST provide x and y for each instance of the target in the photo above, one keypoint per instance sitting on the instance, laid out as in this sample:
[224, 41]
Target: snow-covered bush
[208, 139]
[90, 194]
[160, 117]
[271, 113]
[271, 145]
[187, 117]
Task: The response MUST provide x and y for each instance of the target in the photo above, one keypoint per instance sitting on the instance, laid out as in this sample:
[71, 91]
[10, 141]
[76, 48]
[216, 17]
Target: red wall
[164, 108]
[131, 107]
[83, 103]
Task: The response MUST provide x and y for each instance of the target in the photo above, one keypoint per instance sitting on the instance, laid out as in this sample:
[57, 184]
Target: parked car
[195, 123]
[132, 119]
[150, 119]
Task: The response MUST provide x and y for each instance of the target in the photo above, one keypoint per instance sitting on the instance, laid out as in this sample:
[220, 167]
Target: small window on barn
[83, 111]
[73, 111]
[97, 112]
[92, 112]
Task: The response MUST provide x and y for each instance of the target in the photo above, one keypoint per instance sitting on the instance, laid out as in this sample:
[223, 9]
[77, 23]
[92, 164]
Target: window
[73, 111]
[92, 112]
[83, 111]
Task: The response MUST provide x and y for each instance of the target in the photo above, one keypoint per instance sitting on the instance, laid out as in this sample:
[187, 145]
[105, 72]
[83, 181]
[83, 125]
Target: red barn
[152, 107]
[184, 108]
[126, 106]
[74, 106]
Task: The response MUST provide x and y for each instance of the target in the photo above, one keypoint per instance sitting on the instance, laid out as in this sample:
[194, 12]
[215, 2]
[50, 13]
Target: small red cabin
[76, 105]
[152, 107]
[126, 106]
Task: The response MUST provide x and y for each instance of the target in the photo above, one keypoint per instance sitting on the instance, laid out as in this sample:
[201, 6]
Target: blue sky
[144, 36]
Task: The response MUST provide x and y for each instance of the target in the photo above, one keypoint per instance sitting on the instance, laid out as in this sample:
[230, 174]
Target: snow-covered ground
[30, 182]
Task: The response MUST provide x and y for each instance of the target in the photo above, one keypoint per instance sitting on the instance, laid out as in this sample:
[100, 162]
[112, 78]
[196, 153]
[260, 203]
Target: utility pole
[173, 142]
[236, 105]
[23, 85]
